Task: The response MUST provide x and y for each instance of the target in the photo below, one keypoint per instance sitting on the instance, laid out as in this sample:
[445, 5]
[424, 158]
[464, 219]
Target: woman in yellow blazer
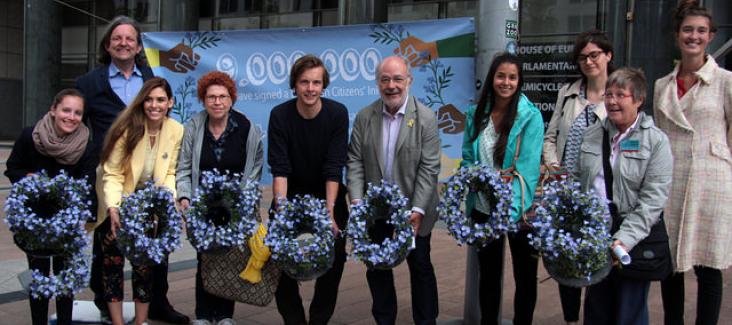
[141, 145]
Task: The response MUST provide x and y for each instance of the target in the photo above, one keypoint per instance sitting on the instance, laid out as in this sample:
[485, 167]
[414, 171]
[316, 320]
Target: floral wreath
[480, 178]
[150, 225]
[223, 213]
[572, 234]
[47, 217]
[392, 251]
[301, 238]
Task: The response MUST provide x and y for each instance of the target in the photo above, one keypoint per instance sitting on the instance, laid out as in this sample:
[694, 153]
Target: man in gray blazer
[396, 139]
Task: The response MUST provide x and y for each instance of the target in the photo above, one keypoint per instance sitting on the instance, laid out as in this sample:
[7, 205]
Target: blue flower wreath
[301, 258]
[47, 216]
[143, 238]
[392, 251]
[571, 232]
[480, 178]
[68, 282]
[223, 213]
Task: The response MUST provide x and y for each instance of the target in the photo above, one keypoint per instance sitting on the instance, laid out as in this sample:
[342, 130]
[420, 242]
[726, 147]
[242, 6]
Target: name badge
[630, 145]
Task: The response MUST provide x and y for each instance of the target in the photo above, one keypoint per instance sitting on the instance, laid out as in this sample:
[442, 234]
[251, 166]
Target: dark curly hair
[691, 8]
[216, 78]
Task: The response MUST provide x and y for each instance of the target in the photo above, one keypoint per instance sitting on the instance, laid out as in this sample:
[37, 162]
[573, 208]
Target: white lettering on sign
[348, 65]
[548, 66]
[542, 86]
[545, 49]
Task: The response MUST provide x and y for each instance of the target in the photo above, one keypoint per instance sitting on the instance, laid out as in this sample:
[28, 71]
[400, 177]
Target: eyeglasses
[617, 96]
[212, 98]
[582, 58]
[399, 80]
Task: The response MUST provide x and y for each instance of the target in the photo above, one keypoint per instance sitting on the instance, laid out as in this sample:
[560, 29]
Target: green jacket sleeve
[469, 155]
[527, 164]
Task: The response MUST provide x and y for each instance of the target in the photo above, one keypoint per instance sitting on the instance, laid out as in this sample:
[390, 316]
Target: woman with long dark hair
[693, 105]
[504, 122]
[59, 141]
[141, 145]
[579, 105]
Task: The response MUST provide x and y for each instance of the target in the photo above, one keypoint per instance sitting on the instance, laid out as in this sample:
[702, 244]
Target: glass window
[462, 9]
[548, 29]
[554, 17]
[282, 6]
[414, 11]
[329, 17]
[290, 20]
[253, 22]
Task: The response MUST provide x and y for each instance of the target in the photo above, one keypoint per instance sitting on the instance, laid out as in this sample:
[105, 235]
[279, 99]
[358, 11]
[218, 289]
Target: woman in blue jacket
[503, 118]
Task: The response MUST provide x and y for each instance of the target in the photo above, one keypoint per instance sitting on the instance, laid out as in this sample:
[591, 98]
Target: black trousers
[571, 299]
[39, 307]
[289, 302]
[708, 301]
[525, 263]
[208, 306]
[423, 284]
[287, 296]
[617, 301]
[159, 302]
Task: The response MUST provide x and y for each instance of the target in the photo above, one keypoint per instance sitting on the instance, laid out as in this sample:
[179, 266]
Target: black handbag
[651, 257]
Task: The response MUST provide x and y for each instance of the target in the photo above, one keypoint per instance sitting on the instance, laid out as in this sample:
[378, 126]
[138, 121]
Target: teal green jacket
[530, 126]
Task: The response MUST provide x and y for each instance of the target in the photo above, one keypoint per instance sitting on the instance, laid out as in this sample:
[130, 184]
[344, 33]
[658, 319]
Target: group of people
[598, 133]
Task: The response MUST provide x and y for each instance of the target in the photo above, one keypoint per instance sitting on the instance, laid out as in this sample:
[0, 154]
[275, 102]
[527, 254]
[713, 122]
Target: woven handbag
[220, 274]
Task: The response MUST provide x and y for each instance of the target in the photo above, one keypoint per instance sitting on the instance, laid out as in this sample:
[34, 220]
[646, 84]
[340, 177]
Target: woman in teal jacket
[502, 117]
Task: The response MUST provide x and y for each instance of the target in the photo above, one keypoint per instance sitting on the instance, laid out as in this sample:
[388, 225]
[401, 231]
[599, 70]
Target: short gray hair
[631, 78]
[401, 58]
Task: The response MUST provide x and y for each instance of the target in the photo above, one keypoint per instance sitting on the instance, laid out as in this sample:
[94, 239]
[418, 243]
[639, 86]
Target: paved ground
[354, 301]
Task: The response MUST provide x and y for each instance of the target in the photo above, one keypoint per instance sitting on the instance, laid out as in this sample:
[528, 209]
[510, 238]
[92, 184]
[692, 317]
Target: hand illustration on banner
[450, 119]
[416, 51]
[179, 59]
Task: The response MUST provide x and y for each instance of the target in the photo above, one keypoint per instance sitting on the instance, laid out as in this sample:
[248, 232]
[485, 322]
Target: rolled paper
[621, 254]
[260, 255]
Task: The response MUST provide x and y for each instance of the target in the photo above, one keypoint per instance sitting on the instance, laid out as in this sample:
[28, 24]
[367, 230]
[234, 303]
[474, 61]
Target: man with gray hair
[396, 139]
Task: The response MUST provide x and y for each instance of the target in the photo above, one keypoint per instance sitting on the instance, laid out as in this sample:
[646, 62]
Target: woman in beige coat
[693, 105]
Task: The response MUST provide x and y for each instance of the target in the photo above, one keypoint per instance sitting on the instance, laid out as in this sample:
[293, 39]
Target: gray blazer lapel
[407, 124]
[377, 131]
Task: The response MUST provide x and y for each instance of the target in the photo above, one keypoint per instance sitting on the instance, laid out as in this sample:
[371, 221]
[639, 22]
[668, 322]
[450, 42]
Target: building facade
[45, 45]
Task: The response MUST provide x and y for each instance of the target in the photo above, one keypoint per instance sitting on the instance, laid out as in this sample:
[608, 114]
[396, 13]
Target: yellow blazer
[114, 180]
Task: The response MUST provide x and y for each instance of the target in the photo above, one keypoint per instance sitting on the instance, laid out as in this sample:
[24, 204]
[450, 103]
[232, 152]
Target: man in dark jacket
[107, 90]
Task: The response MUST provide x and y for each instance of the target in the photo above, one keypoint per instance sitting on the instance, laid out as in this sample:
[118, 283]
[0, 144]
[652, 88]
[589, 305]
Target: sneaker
[200, 322]
[226, 321]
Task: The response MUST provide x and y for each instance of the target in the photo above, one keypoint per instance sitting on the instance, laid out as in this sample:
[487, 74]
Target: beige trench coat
[699, 210]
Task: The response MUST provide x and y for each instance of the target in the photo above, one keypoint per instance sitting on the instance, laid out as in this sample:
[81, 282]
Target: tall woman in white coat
[693, 105]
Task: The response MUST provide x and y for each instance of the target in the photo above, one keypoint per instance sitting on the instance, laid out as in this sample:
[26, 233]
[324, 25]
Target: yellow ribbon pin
[410, 123]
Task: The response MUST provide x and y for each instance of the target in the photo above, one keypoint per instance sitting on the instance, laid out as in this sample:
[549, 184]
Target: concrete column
[178, 15]
[42, 60]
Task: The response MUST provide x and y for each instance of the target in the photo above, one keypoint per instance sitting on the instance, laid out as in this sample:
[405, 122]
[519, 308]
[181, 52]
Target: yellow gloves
[260, 255]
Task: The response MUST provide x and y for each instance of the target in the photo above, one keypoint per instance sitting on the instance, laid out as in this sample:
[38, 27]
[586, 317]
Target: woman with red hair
[224, 139]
